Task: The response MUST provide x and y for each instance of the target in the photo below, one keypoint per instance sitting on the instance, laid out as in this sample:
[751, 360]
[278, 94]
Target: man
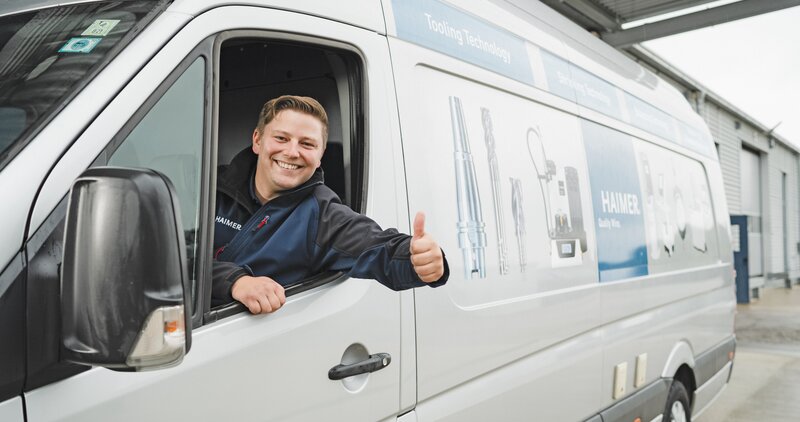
[277, 223]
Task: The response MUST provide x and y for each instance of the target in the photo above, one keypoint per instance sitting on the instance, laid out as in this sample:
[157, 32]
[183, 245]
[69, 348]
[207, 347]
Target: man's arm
[259, 294]
[223, 275]
[351, 242]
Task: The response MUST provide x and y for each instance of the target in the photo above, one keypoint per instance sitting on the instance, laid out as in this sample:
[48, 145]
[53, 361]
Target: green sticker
[80, 45]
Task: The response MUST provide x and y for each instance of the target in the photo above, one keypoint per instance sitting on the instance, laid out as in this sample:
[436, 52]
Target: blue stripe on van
[646, 117]
[581, 86]
[558, 74]
[450, 31]
[444, 28]
[696, 140]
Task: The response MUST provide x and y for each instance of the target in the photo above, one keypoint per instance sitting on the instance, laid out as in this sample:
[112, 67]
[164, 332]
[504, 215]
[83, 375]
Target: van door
[241, 367]
[512, 333]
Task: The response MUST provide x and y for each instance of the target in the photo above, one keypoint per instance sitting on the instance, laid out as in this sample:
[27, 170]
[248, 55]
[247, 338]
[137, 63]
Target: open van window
[48, 55]
[253, 70]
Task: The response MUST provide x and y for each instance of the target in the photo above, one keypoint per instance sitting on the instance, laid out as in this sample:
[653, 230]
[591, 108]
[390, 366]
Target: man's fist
[261, 295]
[426, 256]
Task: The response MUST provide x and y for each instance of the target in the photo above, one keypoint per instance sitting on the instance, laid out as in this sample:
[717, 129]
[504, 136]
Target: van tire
[677, 408]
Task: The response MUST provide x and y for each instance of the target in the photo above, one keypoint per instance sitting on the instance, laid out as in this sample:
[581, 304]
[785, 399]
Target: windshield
[47, 55]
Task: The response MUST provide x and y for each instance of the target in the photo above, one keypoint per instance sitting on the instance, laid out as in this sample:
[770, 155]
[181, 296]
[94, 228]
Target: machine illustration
[471, 232]
[680, 208]
[663, 226]
[560, 188]
[699, 214]
[664, 217]
[519, 220]
[651, 225]
[494, 174]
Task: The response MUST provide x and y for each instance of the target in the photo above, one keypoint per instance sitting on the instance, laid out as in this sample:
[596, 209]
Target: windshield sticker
[101, 27]
[80, 45]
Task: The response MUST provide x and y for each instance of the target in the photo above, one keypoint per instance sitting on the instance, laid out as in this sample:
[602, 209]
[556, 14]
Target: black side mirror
[124, 284]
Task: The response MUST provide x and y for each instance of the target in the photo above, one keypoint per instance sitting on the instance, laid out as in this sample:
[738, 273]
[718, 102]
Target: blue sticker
[696, 140]
[449, 30]
[595, 93]
[649, 118]
[443, 28]
[559, 79]
[617, 203]
[574, 83]
[80, 45]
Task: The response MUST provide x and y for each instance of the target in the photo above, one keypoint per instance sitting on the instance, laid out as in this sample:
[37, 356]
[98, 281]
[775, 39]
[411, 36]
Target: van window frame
[205, 226]
[12, 327]
[358, 144]
[47, 371]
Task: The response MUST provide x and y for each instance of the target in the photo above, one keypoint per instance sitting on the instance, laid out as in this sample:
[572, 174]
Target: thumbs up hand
[426, 256]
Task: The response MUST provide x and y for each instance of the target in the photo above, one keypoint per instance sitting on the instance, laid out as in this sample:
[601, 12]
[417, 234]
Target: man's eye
[280, 138]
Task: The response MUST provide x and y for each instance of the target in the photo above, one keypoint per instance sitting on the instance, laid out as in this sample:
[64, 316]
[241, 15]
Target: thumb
[419, 225]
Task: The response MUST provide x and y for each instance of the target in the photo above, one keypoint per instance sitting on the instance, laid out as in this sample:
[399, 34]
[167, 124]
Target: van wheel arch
[685, 375]
[678, 407]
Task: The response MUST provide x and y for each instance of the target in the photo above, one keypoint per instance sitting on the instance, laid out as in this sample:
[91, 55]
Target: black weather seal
[313, 282]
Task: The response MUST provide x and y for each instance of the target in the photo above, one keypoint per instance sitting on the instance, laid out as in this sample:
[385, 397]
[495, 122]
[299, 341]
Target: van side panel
[517, 330]
[577, 210]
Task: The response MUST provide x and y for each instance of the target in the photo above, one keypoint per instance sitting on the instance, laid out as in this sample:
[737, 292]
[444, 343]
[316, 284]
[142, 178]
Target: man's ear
[324, 146]
[256, 140]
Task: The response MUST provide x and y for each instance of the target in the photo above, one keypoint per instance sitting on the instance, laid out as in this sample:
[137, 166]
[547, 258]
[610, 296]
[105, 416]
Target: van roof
[9, 7]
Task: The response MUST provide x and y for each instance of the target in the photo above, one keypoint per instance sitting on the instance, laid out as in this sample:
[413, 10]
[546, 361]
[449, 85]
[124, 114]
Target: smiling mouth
[287, 166]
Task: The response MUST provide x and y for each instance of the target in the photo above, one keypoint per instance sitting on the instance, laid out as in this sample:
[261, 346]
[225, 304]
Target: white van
[578, 197]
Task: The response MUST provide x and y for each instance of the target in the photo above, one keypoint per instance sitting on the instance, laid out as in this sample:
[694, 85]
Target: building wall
[775, 161]
[723, 130]
[783, 161]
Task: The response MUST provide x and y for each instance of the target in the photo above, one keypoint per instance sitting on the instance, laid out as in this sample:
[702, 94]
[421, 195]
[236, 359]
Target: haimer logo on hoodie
[232, 224]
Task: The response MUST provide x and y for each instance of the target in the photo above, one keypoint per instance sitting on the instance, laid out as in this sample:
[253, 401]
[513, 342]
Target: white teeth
[287, 166]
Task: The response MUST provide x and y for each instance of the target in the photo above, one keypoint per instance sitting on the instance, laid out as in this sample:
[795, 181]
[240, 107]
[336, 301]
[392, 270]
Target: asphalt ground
[765, 385]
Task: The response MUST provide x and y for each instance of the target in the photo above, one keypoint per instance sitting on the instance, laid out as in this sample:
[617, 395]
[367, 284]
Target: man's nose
[293, 149]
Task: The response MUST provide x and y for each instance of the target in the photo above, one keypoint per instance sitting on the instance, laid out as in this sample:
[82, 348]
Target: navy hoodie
[303, 232]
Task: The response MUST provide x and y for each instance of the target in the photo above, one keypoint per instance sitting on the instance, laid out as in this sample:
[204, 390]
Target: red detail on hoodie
[262, 223]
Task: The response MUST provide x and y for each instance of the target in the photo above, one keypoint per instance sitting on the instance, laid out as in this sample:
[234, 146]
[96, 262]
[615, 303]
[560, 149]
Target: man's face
[289, 150]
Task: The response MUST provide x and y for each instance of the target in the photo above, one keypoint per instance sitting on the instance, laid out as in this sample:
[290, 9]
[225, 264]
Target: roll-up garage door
[750, 172]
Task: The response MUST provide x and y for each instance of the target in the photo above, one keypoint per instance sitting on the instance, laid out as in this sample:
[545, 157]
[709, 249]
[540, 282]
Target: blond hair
[300, 104]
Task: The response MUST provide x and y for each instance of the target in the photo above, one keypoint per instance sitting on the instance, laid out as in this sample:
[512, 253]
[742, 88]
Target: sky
[752, 63]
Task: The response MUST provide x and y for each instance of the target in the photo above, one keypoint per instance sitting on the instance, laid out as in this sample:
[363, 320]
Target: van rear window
[47, 55]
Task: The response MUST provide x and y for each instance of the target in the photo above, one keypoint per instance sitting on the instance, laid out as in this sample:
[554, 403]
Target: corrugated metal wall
[723, 130]
[751, 187]
[782, 168]
[776, 161]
